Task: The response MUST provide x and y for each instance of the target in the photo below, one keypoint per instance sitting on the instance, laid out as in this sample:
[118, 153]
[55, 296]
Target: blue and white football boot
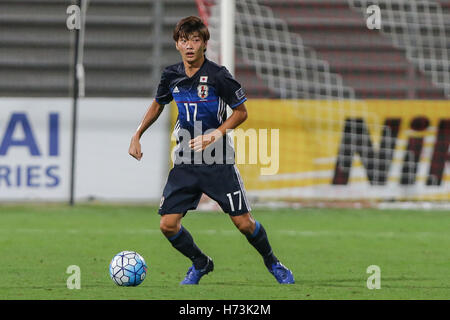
[282, 274]
[193, 275]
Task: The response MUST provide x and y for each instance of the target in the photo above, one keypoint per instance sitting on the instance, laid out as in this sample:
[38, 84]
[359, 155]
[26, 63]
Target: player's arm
[150, 116]
[238, 116]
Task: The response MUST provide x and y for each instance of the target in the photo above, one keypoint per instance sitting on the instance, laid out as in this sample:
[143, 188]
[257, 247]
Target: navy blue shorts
[221, 182]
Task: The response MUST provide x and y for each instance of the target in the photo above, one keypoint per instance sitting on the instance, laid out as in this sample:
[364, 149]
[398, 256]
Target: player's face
[191, 49]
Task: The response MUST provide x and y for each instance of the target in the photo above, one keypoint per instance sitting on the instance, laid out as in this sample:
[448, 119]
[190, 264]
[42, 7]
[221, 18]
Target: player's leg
[181, 239]
[228, 190]
[256, 236]
[181, 194]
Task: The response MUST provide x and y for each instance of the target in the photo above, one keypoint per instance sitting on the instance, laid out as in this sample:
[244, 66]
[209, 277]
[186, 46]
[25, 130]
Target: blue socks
[184, 243]
[258, 239]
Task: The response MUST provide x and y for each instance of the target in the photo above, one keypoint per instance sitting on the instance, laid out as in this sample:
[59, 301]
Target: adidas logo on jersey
[176, 90]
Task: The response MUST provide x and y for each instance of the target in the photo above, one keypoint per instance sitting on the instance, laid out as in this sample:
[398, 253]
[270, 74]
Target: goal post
[227, 34]
[78, 89]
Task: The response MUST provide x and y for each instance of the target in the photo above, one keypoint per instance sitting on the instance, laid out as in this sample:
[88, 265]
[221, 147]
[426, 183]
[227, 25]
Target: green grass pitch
[328, 251]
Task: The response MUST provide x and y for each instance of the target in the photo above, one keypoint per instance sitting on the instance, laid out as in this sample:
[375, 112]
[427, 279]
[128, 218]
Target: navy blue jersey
[201, 101]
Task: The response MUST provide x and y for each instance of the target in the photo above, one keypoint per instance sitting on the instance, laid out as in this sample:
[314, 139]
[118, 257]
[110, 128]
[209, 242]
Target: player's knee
[246, 226]
[167, 228]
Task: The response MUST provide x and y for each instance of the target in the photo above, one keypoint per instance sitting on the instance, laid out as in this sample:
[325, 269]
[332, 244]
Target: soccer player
[201, 90]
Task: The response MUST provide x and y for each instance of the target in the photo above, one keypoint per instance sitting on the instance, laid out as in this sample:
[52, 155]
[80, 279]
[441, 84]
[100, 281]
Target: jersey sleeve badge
[240, 94]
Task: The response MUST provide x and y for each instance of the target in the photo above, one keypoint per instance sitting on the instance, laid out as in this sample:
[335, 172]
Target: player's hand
[135, 148]
[200, 143]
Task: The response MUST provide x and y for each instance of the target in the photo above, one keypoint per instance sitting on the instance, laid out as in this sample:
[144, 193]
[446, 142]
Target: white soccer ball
[128, 268]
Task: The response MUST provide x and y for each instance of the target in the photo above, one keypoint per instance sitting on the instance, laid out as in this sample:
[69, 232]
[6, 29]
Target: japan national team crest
[202, 91]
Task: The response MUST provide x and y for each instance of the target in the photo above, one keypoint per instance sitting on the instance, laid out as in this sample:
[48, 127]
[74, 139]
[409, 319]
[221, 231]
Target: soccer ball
[128, 268]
